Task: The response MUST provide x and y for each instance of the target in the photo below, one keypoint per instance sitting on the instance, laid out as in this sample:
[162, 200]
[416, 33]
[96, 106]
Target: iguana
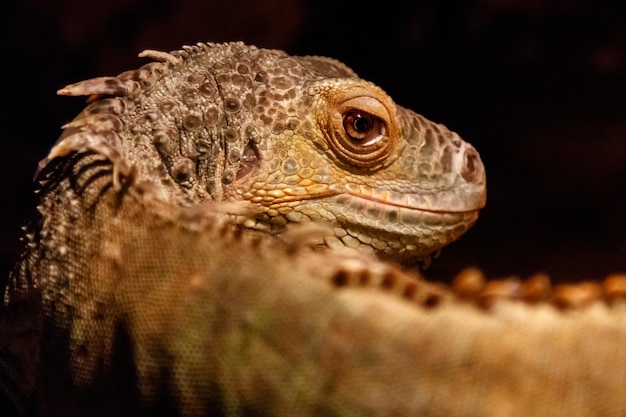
[162, 275]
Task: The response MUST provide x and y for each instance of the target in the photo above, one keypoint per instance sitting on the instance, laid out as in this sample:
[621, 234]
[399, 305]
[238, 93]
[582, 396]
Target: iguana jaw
[459, 200]
[395, 226]
[401, 232]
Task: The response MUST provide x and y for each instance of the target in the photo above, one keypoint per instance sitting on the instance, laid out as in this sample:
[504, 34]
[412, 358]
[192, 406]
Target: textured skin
[147, 285]
[235, 123]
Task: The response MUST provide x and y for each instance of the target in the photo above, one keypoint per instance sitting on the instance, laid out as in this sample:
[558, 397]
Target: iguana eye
[363, 128]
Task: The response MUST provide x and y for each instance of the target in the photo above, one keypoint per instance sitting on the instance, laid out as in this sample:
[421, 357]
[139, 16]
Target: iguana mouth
[437, 202]
[393, 231]
[403, 219]
[392, 211]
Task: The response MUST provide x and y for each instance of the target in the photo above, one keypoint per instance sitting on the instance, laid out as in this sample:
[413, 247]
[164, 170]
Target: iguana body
[150, 288]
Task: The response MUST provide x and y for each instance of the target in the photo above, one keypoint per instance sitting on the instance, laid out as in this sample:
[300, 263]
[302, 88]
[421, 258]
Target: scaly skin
[146, 286]
[298, 138]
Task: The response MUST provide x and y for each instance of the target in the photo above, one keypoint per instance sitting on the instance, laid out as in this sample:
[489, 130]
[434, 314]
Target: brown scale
[235, 85]
[394, 281]
[496, 290]
[537, 288]
[470, 285]
[200, 108]
[575, 296]
[614, 288]
[171, 113]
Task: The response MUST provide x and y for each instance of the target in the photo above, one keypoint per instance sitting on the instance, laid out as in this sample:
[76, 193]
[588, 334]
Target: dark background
[537, 86]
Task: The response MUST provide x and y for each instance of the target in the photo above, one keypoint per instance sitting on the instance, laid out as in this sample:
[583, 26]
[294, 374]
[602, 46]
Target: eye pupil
[363, 128]
[361, 123]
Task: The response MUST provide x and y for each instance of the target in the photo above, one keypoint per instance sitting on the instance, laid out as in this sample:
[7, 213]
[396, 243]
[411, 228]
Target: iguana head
[296, 138]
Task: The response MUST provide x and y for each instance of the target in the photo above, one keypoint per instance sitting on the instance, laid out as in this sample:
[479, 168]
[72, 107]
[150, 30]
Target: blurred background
[537, 86]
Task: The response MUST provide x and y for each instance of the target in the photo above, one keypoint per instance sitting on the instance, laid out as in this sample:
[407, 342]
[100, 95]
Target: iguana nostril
[472, 170]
